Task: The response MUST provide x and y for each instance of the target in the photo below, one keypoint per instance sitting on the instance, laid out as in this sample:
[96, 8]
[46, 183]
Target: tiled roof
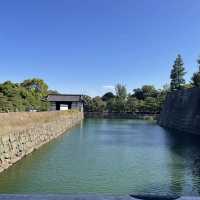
[64, 97]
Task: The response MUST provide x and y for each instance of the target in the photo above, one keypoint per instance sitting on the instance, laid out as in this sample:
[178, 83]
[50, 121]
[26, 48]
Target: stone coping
[81, 197]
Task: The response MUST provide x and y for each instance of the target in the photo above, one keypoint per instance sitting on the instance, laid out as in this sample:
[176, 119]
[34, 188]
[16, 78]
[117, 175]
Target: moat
[110, 157]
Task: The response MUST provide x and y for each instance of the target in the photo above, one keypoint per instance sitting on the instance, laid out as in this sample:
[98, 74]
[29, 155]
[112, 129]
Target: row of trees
[31, 94]
[145, 99]
[177, 75]
[28, 95]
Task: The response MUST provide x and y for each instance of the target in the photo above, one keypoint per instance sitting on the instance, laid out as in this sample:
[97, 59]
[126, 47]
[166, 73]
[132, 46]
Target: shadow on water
[186, 147]
[182, 149]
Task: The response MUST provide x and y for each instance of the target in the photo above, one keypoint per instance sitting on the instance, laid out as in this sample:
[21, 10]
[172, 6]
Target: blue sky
[87, 46]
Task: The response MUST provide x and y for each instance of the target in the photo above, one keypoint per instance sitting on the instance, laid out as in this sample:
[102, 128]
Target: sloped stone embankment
[22, 133]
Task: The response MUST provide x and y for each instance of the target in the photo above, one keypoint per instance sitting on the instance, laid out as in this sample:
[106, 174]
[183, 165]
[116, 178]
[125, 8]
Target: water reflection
[185, 157]
[110, 157]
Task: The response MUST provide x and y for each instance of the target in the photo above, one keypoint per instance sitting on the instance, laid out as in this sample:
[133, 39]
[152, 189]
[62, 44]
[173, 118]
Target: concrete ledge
[76, 197]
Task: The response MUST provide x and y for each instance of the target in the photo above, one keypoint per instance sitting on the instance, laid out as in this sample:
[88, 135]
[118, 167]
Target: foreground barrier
[87, 197]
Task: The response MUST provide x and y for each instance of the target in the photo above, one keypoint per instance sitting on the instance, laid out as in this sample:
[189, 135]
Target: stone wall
[181, 111]
[22, 133]
[116, 115]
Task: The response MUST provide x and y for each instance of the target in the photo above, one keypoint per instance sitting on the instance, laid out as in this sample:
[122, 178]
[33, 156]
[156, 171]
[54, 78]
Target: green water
[110, 157]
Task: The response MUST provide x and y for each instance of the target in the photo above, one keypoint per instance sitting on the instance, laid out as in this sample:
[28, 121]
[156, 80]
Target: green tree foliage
[196, 79]
[110, 105]
[196, 76]
[107, 96]
[177, 74]
[5, 105]
[120, 99]
[144, 92]
[119, 105]
[144, 99]
[36, 86]
[149, 91]
[121, 91]
[98, 105]
[87, 103]
[138, 93]
[95, 104]
[132, 104]
[150, 105]
[29, 95]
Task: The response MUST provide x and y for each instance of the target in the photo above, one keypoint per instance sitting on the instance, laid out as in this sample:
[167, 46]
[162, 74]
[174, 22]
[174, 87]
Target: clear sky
[87, 46]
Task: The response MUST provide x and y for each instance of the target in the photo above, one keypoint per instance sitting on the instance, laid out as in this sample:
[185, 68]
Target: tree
[110, 106]
[144, 92]
[187, 86]
[121, 97]
[151, 104]
[7, 88]
[37, 93]
[131, 104]
[98, 105]
[138, 93]
[16, 100]
[196, 76]
[31, 94]
[120, 105]
[87, 102]
[5, 106]
[107, 96]
[149, 91]
[121, 91]
[34, 84]
[177, 74]
[141, 106]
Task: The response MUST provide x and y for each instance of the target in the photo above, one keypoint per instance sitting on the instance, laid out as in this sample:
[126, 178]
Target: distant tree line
[31, 94]
[146, 99]
[26, 96]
